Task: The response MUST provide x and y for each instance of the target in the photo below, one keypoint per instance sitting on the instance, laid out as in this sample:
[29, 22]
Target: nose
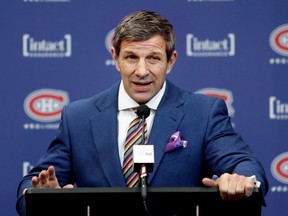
[142, 68]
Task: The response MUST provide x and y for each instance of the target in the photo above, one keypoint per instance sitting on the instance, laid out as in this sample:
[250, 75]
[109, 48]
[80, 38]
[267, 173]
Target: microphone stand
[144, 173]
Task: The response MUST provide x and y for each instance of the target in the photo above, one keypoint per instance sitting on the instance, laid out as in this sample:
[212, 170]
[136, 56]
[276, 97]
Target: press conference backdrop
[53, 52]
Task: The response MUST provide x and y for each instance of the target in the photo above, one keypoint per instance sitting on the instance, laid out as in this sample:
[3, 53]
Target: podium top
[160, 201]
[94, 190]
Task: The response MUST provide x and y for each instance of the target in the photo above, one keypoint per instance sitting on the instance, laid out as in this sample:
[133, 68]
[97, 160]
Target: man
[88, 150]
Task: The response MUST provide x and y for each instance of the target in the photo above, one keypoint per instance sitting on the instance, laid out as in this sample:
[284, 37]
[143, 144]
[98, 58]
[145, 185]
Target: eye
[131, 57]
[154, 58]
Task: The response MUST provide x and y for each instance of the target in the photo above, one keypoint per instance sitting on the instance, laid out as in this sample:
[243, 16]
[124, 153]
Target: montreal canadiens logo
[109, 40]
[224, 94]
[279, 168]
[45, 105]
[279, 40]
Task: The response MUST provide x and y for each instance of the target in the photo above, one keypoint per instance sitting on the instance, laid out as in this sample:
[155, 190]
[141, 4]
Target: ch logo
[279, 168]
[45, 105]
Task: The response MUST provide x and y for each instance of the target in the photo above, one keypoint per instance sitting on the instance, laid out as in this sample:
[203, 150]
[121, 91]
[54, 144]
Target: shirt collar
[126, 102]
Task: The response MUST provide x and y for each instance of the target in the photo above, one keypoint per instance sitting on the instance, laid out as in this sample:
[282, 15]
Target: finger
[209, 182]
[235, 187]
[35, 182]
[223, 185]
[249, 187]
[51, 173]
[239, 191]
[43, 177]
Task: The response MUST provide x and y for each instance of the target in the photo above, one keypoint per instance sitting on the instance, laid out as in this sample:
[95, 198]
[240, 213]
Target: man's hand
[46, 179]
[231, 186]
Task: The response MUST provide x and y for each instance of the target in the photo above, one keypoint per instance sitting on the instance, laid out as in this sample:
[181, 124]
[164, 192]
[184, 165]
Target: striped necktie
[134, 137]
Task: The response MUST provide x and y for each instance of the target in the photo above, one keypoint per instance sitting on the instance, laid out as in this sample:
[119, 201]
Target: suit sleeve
[56, 155]
[226, 151]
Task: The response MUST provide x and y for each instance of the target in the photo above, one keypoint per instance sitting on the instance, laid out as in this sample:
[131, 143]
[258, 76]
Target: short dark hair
[142, 25]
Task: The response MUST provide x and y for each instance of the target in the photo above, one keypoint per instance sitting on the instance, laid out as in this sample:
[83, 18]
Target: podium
[166, 201]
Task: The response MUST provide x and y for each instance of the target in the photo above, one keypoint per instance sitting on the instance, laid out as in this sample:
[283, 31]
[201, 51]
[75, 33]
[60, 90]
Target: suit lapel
[104, 129]
[166, 122]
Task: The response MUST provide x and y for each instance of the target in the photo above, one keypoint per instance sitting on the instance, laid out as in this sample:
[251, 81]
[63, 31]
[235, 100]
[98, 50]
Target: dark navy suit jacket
[85, 150]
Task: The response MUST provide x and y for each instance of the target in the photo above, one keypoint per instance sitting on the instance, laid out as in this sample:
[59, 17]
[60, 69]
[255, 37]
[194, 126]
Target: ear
[172, 61]
[115, 58]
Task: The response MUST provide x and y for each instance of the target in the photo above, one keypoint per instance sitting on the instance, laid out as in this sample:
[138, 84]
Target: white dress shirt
[126, 114]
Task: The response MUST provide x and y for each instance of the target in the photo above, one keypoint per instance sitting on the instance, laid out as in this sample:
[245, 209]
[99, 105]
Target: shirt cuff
[256, 183]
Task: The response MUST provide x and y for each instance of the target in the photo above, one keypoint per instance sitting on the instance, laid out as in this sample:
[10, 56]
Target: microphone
[143, 154]
[143, 112]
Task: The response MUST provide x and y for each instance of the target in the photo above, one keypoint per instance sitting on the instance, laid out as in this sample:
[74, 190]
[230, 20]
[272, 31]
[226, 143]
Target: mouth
[142, 86]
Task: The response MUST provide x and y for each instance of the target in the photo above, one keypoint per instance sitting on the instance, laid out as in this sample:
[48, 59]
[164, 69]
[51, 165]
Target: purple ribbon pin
[175, 142]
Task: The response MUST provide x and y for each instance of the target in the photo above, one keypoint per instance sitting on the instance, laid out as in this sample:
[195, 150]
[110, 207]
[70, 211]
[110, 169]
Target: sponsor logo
[45, 105]
[277, 109]
[279, 168]
[279, 43]
[109, 40]
[109, 44]
[224, 94]
[47, 49]
[279, 40]
[196, 47]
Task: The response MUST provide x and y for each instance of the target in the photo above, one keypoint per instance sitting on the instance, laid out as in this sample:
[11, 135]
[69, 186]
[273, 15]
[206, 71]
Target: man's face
[143, 67]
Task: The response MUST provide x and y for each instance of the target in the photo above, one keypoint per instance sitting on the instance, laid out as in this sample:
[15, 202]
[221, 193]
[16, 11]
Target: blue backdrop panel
[57, 51]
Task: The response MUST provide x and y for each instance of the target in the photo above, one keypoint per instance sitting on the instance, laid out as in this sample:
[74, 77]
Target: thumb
[68, 186]
[209, 182]
[24, 191]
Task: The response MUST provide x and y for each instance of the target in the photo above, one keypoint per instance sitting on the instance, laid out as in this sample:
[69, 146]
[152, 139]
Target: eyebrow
[134, 53]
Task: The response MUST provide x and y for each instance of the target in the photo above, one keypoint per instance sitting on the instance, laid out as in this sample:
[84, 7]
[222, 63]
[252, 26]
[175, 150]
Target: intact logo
[45, 105]
[224, 94]
[279, 40]
[197, 47]
[279, 168]
[109, 44]
[43, 48]
[277, 109]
